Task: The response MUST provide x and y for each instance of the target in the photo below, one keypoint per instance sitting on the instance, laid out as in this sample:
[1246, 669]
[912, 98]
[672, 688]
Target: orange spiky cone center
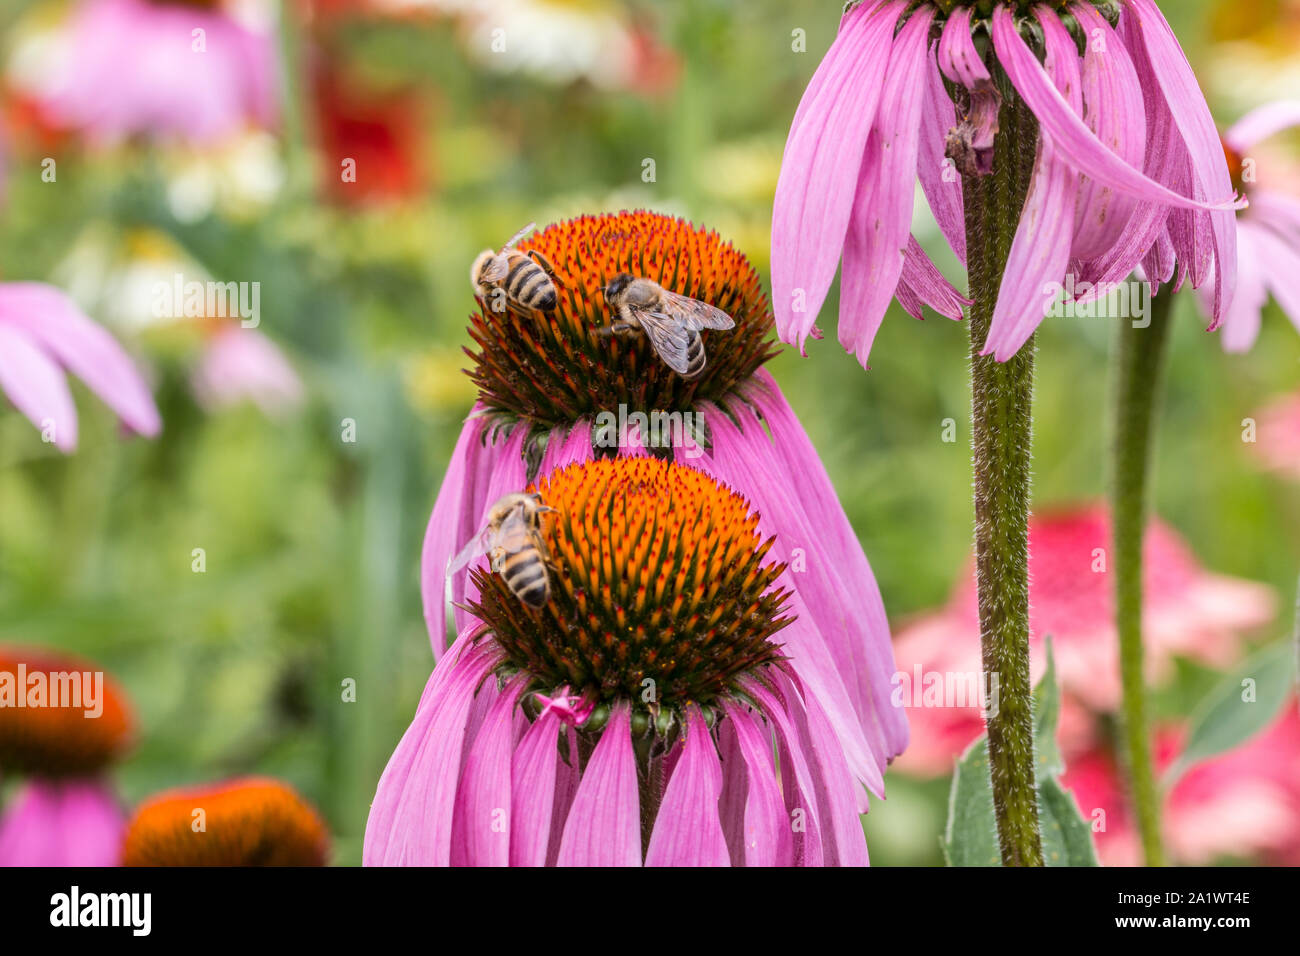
[657, 576]
[248, 822]
[52, 734]
[549, 369]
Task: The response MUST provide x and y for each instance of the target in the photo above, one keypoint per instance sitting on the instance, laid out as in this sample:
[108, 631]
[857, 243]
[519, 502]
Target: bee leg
[545, 263]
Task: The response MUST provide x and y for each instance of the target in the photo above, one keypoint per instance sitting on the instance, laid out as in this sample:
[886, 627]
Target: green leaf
[971, 839]
[1227, 718]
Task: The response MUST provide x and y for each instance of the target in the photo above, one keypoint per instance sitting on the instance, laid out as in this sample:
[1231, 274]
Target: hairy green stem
[1140, 360]
[1002, 428]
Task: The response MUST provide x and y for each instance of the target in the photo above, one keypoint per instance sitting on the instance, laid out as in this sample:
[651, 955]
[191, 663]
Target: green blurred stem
[1002, 431]
[1141, 358]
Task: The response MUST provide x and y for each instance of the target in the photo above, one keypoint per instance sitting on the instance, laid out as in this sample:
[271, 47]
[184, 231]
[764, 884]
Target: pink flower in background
[1128, 160]
[658, 707]
[1189, 612]
[62, 823]
[42, 333]
[1243, 804]
[240, 364]
[168, 69]
[1268, 233]
[1277, 436]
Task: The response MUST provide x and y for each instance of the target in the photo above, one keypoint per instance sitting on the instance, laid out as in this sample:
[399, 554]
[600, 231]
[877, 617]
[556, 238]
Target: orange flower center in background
[60, 716]
[657, 575]
[549, 369]
[248, 822]
[1236, 167]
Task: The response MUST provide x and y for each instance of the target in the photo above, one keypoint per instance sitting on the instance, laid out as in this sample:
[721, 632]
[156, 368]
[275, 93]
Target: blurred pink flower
[1277, 436]
[168, 69]
[42, 332]
[242, 364]
[1243, 804]
[1190, 612]
[1268, 233]
[76, 822]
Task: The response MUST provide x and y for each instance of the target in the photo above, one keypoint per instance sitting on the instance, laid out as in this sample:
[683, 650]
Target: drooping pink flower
[1268, 232]
[1277, 435]
[62, 823]
[1188, 612]
[240, 364]
[553, 390]
[42, 333]
[1125, 163]
[1243, 804]
[73, 724]
[173, 70]
[661, 707]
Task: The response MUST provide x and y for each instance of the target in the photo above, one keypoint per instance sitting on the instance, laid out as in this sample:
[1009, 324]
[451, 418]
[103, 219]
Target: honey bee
[670, 321]
[512, 540]
[525, 277]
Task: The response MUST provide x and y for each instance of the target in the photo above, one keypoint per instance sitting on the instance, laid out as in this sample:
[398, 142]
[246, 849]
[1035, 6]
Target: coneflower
[62, 725]
[252, 821]
[656, 709]
[42, 332]
[555, 389]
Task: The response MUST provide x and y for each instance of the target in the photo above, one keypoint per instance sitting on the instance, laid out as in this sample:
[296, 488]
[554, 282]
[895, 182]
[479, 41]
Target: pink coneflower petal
[575, 446]
[1115, 113]
[1277, 212]
[508, 473]
[1280, 265]
[763, 835]
[1209, 165]
[1242, 320]
[687, 830]
[1071, 135]
[604, 823]
[37, 387]
[481, 832]
[1041, 248]
[961, 62]
[532, 791]
[881, 222]
[51, 320]
[819, 175]
[939, 177]
[74, 823]
[242, 364]
[1158, 264]
[1261, 123]
[417, 791]
[922, 282]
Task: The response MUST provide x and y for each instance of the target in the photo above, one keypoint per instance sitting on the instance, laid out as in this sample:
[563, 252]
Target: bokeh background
[312, 541]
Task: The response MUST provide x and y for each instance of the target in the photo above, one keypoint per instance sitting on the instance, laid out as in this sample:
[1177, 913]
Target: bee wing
[669, 336]
[476, 548]
[497, 268]
[696, 314]
[520, 234]
[515, 534]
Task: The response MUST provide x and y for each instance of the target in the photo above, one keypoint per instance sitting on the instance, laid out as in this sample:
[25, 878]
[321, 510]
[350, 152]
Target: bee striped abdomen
[528, 284]
[695, 357]
[526, 575]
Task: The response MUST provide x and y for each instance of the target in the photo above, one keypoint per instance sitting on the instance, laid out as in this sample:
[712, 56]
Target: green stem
[1141, 354]
[1002, 429]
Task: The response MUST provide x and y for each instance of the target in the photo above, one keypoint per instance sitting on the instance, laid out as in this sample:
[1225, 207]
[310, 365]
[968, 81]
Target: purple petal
[65, 823]
[765, 829]
[819, 171]
[1242, 320]
[1040, 251]
[1069, 133]
[532, 791]
[922, 282]
[604, 823]
[36, 387]
[1192, 118]
[1280, 264]
[960, 62]
[687, 831]
[481, 829]
[84, 348]
[1261, 123]
[939, 177]
[574, 447]
[410, 821]
[881, 222]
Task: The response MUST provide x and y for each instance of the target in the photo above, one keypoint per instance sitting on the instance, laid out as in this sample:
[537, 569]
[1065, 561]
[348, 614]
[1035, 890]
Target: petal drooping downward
[604, 824]
[37, 388]
[819, 174]
[687, 830]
